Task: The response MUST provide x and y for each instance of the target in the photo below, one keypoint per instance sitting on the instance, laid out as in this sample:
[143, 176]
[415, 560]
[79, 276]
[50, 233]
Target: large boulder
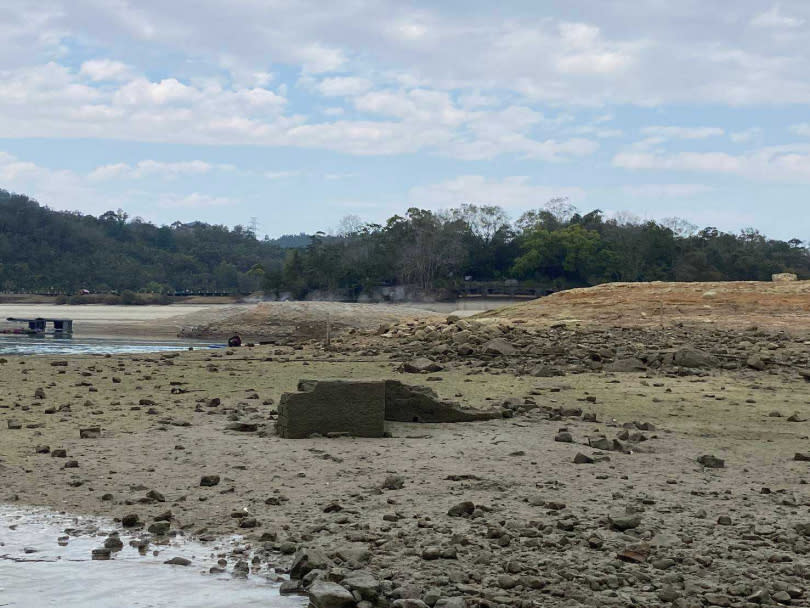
[306, 560]
[323, 594]
[499, 346]
[693, 357]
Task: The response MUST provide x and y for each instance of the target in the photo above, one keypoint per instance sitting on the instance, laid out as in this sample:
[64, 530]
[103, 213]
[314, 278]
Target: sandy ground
[542, 538]
[731, 304]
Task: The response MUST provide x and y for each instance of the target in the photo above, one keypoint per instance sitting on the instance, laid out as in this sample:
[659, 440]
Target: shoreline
[381, 508]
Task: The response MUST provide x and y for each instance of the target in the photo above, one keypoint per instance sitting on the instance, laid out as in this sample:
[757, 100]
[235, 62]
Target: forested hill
[63, 252]
[554, 247]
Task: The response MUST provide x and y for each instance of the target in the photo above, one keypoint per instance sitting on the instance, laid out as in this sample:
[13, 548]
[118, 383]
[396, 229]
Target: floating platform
[39, 326]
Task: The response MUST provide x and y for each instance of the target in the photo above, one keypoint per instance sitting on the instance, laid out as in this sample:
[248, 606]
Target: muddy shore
[519, 511]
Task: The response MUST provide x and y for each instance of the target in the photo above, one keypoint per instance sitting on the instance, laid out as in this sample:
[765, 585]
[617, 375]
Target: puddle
[48, 345]
[36, 571]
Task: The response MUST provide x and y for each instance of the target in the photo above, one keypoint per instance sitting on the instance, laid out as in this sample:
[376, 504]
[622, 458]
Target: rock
[409, 603]
[462, 509]
[130, 520]
[711, 462]
[564, 437]
[156, 496]
[249, 523]
[59, 453]
[39, 393]
[803, 457]
[101, 554]
[178, 561]
[499, 346]
[363, 583]
[114, 542]
[626, 365]
[545, 371]
[755, 361]
[14, 425]
[609, 445]
[42, 449]
[306, 560]
[693, 357]
[324, 594]
[242, 427]
[724, 520]
[420, 366]
[208, 481]
[581, 458]
[159, 528]
[507, 581]
[290, 587]
[393, 482]
[450, 602]
[93, 432]
[624, 522]
[431, 553]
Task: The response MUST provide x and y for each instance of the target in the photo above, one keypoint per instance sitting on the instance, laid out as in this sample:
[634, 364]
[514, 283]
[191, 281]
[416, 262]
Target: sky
[298, 113]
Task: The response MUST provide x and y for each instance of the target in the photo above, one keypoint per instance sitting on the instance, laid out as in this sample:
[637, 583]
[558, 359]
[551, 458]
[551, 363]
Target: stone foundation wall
[356, 408]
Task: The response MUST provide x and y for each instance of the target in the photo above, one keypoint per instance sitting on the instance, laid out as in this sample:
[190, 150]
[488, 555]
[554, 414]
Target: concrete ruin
[404, 403]
[359, 408]
[352, 407]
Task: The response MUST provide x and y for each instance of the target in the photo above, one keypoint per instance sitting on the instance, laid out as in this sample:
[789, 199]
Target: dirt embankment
[723, 304]
[290, 322]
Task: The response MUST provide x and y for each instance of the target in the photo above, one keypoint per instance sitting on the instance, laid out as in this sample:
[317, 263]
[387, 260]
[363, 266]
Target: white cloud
[280, 174]
[105, 69]
[672, 132]
[667, 190]
[152, 168]
[775, 18]
[802, 129]
[516, 192]
[747, 135]
[789, 164]
[343, 86]
[196, 200]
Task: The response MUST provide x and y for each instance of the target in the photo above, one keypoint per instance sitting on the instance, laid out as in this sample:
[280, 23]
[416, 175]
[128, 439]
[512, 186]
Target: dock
[39, 326]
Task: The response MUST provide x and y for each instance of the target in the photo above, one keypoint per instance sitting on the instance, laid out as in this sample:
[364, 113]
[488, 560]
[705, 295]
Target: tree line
[551, 248]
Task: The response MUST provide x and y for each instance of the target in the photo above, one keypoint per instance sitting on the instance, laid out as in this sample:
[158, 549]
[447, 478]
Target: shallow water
[47, 345]
[66, 577]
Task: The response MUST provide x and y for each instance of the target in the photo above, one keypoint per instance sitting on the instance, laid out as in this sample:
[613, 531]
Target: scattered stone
[711, 462]
[393, 482]
[207, 481]
[178, 561]
[90, 433]
[420, 366]
[462, 509]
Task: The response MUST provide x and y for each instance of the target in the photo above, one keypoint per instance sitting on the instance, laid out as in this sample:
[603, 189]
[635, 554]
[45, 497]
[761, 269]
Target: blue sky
[299, 113]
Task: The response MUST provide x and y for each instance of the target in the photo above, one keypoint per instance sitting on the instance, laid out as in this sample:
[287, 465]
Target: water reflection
[36, 571]
[31, 345]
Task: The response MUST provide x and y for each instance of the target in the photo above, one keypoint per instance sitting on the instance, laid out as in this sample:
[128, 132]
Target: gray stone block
[354, 407]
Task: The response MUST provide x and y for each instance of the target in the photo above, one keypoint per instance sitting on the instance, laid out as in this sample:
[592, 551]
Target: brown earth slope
[732, 304]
